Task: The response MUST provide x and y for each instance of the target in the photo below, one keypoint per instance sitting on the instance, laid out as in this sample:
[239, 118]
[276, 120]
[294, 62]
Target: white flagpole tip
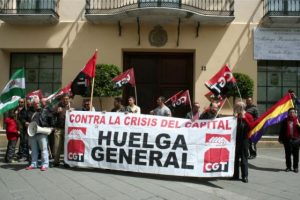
[96, 50]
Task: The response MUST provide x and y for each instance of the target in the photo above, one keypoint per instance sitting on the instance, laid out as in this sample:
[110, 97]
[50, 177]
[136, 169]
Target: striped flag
[13, 91]
[274, 115]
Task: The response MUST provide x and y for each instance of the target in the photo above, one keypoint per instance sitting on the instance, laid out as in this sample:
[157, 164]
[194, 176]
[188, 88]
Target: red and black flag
[82, 82]
[37, 94]
[179, 99]
[212, 98]
[124, 78]
[56, 96]
[221, 82]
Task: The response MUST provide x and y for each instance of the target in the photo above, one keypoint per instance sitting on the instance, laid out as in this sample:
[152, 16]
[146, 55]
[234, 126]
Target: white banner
[150, 144]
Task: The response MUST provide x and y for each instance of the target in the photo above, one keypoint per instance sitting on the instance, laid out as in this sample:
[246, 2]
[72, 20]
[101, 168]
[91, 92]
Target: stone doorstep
[265, 142]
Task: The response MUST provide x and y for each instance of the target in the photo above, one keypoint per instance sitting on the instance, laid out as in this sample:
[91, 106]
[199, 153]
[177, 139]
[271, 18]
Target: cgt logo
[76, 130]
[216, 160]
[218, 139]
[75, 150]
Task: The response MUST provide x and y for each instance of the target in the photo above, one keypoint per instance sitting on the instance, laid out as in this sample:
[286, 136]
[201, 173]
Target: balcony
[203, 11]
[281, 13]
[29, 11]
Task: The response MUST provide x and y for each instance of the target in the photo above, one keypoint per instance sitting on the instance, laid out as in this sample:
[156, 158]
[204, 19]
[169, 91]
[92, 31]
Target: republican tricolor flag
[81, 83]
[221, 82]
[274, 115]
[124, 78]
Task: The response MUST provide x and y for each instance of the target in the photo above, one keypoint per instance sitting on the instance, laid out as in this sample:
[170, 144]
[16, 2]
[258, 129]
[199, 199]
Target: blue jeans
[39, 141]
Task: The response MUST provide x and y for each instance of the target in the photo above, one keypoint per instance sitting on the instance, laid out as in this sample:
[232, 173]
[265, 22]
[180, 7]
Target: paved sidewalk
[267, 180]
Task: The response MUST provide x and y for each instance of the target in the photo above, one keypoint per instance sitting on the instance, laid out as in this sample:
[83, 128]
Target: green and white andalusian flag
[13, 91]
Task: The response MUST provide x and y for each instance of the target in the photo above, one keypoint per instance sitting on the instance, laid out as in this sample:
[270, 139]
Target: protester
[161, 109]
[86, 105]
[211, 113]
[195, 113]
[252, 109]
[12, 134]
[118, 106]
[289, 137]
[296, 101]
[22, 121]
[132, 108]
[39, 141]
[244, 120]
[59, 134]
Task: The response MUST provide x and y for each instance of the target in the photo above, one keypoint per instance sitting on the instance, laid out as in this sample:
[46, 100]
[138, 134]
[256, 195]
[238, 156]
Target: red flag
[180, 98]
[221, 82]
[212, 98]
[90, 66]
[81, 83]
[124, 78]
[35, 94]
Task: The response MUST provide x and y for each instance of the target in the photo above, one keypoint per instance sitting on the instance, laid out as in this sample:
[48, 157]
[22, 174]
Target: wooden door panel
[159, 74]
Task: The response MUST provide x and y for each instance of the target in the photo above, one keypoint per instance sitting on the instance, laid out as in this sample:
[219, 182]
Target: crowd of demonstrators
[161, 109]
[252, 109]
[289, 137]
[53, 118]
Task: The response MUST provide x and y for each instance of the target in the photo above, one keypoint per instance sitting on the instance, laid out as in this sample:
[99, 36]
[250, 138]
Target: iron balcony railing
[204, 7]
[281, 7]
[28, 7]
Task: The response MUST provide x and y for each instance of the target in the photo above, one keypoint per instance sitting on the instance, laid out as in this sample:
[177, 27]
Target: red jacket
[11, 129]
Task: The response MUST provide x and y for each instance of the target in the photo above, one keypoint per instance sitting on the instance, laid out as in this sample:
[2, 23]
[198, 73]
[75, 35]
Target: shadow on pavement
[14, 166]
[203, 181]
[251, 166]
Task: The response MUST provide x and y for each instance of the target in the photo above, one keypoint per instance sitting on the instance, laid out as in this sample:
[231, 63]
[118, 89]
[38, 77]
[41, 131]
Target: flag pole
[92, 93]
[220, 109]
[136, 100]
[190, 101]
[93, 83]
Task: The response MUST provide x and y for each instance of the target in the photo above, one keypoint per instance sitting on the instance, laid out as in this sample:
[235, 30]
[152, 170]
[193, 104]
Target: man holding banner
[244, 120]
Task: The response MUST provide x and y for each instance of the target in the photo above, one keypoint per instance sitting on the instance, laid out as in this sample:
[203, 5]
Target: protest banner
[150, 144]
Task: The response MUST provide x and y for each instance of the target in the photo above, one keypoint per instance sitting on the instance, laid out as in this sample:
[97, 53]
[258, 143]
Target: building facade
[172, 44]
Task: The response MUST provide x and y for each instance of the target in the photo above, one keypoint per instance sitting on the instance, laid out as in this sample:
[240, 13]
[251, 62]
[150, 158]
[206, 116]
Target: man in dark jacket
[211, 113]
[244, 120]
[252, 109]
[22, 121]
[288, 136]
